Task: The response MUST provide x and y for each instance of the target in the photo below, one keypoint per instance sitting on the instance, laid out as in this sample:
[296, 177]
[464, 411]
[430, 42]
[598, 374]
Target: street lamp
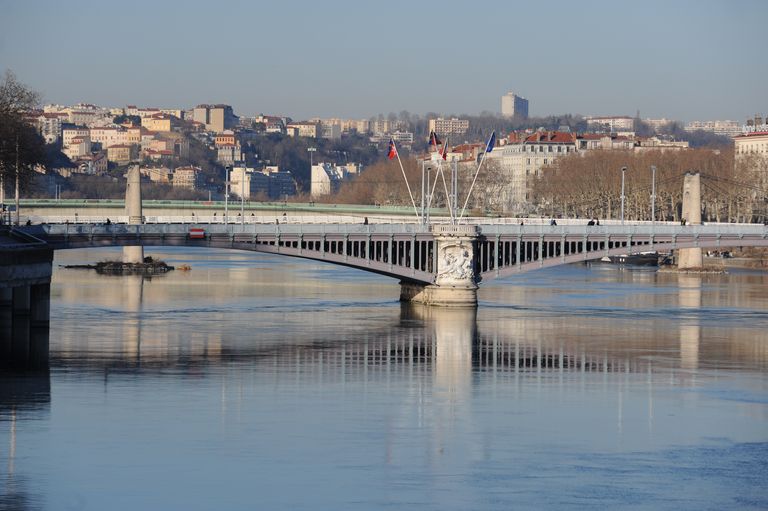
[653, 194]
[623, 170]
[226, 195]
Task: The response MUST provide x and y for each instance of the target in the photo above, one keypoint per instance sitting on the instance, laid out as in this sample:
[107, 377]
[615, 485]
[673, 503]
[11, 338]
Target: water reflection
[690, 329]
[160, 324]
[267, 375]
[23, 396]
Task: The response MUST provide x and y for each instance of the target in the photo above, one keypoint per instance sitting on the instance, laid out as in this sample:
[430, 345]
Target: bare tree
[21, 148]
[589, 185]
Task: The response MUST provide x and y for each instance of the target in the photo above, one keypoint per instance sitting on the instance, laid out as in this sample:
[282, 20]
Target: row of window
[549, 149]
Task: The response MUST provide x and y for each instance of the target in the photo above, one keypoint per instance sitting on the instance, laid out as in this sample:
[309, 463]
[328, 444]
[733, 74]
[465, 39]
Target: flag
[433, 140]
[392, 151]
[445, 149]
[491, 143]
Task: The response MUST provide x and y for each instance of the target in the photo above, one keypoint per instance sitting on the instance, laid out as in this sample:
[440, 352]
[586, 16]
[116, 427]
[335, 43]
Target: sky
[683, 60]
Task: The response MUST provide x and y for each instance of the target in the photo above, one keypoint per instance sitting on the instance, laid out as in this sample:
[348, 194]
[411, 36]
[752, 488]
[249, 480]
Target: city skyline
[685, 61]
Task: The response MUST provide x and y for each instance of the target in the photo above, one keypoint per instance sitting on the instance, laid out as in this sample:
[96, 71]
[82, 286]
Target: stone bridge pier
[691, 258]
[455, 278]
[134, 212]
[25, 295]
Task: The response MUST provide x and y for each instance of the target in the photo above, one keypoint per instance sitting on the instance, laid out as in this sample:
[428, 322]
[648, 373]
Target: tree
[132, 119]
[589, 185]
[21, 147]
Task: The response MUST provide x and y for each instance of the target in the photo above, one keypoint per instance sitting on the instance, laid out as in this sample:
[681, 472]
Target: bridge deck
[408, 251]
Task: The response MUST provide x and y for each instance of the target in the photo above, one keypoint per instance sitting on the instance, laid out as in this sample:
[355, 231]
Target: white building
[513, 105]
[303, 129]
[69, 134]
[657, 124]
[269, 182]
[49, 126]
[229, 154]
[326, 179]
[754, 142]
[77, 148]
[452, 126]
[330, 131]
[403, 137]
[725, 128]
[521, 160]
[611, 123]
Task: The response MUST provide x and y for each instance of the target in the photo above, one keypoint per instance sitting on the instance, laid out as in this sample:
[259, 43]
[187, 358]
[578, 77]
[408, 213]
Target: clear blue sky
[686, 59]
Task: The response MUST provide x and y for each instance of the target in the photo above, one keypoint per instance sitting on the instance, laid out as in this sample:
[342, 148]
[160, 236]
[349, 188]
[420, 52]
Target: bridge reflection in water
[449, 344]
[438, 369]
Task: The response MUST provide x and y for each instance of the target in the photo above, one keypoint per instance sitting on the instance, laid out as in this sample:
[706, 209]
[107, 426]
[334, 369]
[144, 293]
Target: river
[263, 382]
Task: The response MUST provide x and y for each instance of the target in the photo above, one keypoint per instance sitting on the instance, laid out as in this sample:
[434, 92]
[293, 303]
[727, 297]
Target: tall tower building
[513, 105]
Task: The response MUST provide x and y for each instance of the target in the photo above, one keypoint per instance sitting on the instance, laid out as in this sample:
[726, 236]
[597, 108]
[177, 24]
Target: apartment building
[513, 105]
[611, 123]
[725, 128]
[95, 163]
[523, 157]
[107, 136]
[453, 126]
[122, 154]
[77, 148]
[229, 154]
[327, 178]
[69, 134]
[160, 175]
[186, 177]
[216, 118]
[304, 129]
[159, 122]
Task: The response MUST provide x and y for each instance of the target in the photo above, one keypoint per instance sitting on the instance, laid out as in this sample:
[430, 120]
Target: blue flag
[491, 143]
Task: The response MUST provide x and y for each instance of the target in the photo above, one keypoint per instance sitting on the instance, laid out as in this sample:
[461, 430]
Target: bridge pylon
[455, 275]
[134, 212]
[691, 258]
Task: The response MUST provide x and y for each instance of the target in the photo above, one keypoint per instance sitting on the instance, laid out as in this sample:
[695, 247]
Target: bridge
[424, 257]
[437, 263]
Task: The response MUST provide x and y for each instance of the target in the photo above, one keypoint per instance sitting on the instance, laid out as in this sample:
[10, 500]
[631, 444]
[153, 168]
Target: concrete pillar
[134, 212]
[21, 301]
[133, 254]
[39, 325]
[6, 329]
[40, 305]
[455, 280]
[6, 297]
[133, 196]
[691, 258]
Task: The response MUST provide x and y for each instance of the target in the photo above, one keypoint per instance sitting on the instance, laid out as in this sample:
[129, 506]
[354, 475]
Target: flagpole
[410, 194]
[447, 194]
[442, 175]
[469, 194]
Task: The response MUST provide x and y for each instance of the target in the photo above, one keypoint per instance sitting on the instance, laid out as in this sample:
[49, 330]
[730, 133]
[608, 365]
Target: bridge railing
[231, 229]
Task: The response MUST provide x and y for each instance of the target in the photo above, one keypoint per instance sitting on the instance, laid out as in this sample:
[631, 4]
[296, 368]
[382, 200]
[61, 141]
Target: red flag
[445, 149]
[392, 151]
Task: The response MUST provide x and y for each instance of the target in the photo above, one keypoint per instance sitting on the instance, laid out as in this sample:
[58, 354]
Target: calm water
[260, 382]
